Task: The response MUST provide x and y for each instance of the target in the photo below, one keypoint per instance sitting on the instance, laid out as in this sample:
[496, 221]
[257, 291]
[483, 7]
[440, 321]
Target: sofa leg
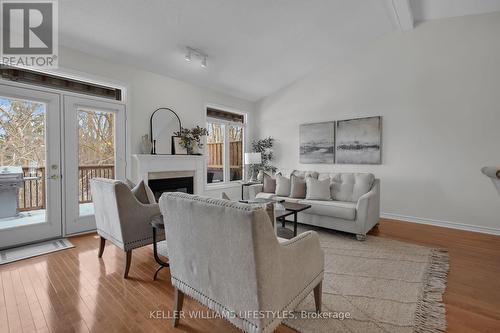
[102, 244]
[128, 259]
[360, 237]
[318, 290]
[178, 300]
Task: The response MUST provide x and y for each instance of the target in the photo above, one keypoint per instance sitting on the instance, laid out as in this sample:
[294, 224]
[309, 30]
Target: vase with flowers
[191, 139]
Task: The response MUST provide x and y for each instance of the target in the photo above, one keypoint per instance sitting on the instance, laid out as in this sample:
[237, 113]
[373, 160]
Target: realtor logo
[29, 33]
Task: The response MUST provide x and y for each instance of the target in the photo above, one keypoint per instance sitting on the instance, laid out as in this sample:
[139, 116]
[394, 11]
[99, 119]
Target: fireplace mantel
[147, 164]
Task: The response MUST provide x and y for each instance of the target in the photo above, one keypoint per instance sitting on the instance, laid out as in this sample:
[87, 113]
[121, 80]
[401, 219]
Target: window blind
[58, 82]
[225, 115]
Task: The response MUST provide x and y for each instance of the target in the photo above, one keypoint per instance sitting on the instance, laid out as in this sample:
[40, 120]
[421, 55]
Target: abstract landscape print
[317, 143]
[358, 141]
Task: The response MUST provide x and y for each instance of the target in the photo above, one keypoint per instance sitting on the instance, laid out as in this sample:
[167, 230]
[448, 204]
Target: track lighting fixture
[197, 54]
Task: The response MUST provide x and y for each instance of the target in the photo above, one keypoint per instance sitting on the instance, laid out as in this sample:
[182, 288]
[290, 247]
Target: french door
[30, 165]
[94, 132]
[51, 146]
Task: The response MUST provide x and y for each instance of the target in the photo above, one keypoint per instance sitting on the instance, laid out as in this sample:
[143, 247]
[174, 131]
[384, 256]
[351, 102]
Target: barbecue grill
[11, 178]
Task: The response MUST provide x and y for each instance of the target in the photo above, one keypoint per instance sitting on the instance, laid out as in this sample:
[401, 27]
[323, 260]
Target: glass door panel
[94, 147]
[215, 148]
[29, 166]
[235, 152]
[96, 153]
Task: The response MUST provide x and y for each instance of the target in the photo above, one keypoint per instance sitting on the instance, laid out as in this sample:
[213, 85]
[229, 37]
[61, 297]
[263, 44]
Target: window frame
[226, 155]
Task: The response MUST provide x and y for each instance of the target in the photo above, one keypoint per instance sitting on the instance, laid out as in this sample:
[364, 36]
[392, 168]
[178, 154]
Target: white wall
[148, 91]
[438, 90]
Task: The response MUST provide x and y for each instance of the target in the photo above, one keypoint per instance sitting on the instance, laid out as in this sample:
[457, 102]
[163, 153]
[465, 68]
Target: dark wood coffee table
[290, 209]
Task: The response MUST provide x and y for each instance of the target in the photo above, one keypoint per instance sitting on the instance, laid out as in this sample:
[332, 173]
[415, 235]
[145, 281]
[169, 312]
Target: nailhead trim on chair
[302, 294]
[131, 245]
[246, 325]
[107, 236]
[213, 201]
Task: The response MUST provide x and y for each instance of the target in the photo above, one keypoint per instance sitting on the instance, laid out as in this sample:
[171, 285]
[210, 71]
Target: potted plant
[265, 147]
[191, 138]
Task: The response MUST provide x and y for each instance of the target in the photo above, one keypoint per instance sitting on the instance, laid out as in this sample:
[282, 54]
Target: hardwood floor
[74, 291]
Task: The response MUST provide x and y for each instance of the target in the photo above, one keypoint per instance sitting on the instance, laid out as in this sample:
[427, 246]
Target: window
[225, 143]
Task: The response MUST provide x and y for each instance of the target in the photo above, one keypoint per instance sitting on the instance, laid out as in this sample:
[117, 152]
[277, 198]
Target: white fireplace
[156, 167]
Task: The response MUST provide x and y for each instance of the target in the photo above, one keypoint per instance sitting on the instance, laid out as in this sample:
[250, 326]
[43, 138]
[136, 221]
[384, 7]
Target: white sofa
[357, 212]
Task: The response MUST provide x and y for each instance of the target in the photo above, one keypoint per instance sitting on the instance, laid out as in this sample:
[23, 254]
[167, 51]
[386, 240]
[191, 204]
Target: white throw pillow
[142, 192]
[283, 186]
[317, 189]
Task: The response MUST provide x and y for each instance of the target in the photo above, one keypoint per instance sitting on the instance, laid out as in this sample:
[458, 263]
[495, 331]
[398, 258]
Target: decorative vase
[197, 150]
[146, 145]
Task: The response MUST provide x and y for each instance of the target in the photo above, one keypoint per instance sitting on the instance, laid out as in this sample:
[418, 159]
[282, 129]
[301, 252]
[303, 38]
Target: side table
[157, 224]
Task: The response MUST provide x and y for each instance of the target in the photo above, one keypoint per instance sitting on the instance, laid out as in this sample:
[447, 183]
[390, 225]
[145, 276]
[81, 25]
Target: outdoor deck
[32, 193]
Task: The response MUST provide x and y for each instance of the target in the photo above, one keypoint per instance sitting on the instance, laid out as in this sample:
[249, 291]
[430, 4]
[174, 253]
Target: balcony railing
[86, 173]
[32, 193]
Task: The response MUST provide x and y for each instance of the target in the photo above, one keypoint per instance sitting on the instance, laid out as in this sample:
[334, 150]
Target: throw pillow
[269, 184]
[129, 183]
[143, 193]
[283, 186]
[318, 189]
[298, 187]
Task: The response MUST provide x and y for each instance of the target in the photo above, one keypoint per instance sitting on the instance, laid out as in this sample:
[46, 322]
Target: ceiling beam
[403, 14]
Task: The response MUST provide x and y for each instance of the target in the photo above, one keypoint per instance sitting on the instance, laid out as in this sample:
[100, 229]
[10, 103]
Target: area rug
[384, 286]
[33, 250]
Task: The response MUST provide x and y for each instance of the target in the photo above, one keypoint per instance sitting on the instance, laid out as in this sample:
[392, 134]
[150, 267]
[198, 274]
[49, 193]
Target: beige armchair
[225, 255]
[122, 216]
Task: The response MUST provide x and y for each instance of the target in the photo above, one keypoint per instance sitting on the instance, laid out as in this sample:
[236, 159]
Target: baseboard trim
[442, 223]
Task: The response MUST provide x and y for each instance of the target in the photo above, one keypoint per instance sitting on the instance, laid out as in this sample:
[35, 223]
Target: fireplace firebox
[178, 184]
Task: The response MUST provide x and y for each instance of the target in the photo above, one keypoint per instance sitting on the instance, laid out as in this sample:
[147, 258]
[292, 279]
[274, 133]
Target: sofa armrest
[368, 208]
[253, 190]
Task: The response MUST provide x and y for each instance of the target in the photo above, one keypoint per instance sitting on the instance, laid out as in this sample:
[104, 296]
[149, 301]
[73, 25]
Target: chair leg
[101, 247]
[318, 290]
[128, 259]
[179, 299]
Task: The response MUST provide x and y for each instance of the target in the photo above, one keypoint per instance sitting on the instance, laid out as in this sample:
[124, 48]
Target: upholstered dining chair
[225, 255]
[123, 216]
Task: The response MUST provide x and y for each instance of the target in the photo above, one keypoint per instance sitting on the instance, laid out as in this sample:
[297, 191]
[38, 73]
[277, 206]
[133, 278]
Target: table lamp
[252, 159]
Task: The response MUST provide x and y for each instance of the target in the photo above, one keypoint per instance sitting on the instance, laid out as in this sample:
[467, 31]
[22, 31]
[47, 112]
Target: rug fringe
[430, 316]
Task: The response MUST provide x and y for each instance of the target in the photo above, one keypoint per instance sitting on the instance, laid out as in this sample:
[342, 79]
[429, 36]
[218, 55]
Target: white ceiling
[255, 47]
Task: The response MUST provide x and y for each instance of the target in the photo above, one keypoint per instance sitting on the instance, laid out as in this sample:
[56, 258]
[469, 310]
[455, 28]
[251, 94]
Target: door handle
[54, 177]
